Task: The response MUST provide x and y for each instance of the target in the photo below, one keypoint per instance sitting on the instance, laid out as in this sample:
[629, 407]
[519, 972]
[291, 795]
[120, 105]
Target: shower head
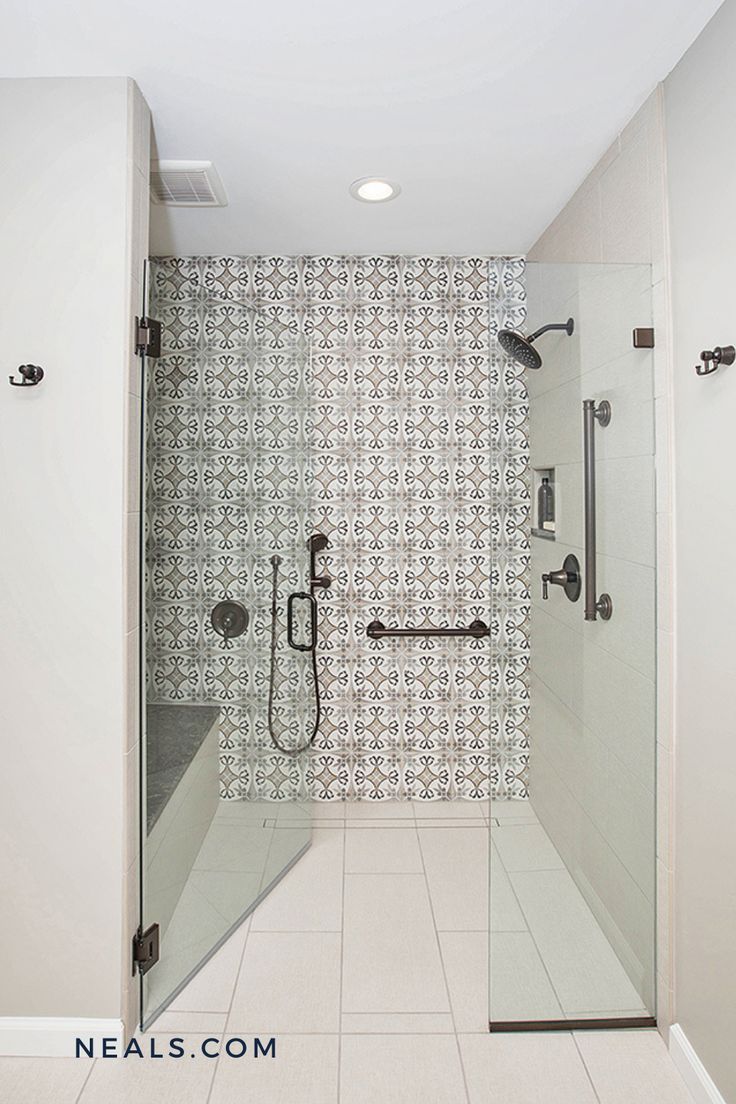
[317, 542]
[521, 349]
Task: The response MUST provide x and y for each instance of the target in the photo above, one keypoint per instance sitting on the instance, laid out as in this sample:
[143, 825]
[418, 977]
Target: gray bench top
[175, 734]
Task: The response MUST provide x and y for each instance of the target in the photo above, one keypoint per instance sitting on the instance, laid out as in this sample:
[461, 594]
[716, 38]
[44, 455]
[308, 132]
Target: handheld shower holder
[711, 359]
[317, 543]
[31, 375]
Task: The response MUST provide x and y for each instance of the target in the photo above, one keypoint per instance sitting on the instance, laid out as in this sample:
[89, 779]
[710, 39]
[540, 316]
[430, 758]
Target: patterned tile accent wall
[367, 398]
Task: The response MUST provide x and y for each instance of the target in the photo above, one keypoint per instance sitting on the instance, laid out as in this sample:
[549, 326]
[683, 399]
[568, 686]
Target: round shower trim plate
[374, 189]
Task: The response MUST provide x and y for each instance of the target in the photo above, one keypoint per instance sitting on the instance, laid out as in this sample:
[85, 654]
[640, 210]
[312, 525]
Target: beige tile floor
[368, 962]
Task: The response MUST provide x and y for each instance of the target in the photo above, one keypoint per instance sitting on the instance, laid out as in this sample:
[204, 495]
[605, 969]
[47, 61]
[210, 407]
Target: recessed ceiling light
[372, 189]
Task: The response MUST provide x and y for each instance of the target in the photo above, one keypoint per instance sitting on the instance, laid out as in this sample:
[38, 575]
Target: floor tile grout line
[79, 1095]
[375, 1031]
[536, 870]
[585, 1067]
[397, 826]
[531, 936]
[528, 928]
[384, 873]
[216, 1066]
[287, 1034]
[393, 1012]
[545, 870]
[444, 971]
[377, 826]
[466, 931]
[238, 971]
[296, 931]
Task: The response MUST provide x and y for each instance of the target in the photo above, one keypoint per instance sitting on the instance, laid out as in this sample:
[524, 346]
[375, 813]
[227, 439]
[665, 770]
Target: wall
[405, 435]
[619, 215]
[701, 166]
[73, 200]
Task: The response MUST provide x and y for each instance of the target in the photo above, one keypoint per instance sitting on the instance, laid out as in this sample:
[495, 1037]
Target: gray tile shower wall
[367, 398]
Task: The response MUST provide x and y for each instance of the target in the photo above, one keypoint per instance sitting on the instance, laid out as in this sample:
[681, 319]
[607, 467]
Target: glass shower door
[573, 861]
[229, 703]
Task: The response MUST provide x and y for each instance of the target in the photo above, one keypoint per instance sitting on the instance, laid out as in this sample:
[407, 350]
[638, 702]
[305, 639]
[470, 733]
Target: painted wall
[701, 165]
[73, 193]
[618, 216]
[364, 397]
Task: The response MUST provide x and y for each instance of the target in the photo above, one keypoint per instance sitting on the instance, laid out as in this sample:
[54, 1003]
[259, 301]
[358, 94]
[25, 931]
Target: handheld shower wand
[316, 543]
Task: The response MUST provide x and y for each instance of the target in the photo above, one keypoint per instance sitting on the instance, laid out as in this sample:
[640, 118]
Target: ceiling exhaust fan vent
[186, 184]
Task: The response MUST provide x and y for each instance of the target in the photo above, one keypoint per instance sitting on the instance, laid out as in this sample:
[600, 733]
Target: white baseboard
[693, 1072]
[53, 1036]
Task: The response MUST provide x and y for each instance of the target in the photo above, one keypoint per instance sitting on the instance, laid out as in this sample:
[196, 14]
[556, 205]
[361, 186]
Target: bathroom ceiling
[488, 114]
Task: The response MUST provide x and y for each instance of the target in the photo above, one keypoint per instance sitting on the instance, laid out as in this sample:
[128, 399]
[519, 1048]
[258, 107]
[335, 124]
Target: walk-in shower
[348, 599]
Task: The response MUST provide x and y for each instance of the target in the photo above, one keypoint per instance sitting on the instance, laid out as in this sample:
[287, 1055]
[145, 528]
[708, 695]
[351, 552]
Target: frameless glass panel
[573, 862]
[229, 704]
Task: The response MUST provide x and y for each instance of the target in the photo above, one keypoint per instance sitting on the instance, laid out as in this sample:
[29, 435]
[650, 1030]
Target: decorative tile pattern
[364, 397]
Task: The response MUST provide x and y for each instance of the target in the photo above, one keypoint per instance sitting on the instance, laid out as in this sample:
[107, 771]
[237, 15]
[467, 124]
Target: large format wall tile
[365, 397]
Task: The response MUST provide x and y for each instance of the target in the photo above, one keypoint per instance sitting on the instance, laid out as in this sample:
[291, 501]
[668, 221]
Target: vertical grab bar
[594, 606]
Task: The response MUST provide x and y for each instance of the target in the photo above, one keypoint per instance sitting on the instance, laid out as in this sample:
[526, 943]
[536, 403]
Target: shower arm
[545, 329]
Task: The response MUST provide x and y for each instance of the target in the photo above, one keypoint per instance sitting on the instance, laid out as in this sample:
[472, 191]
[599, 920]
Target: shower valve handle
[556, 578]
[567, 577]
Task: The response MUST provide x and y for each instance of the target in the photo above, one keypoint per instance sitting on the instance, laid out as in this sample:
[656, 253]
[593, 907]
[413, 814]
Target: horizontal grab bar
[476, 629]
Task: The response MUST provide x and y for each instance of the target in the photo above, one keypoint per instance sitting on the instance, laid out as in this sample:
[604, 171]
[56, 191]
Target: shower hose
[276, 740]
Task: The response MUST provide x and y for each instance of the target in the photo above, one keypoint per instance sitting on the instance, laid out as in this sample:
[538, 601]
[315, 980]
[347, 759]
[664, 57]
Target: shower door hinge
[147, 337]
[145, 949]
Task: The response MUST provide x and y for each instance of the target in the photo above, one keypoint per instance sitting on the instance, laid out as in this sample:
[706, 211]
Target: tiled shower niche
[367, 398]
